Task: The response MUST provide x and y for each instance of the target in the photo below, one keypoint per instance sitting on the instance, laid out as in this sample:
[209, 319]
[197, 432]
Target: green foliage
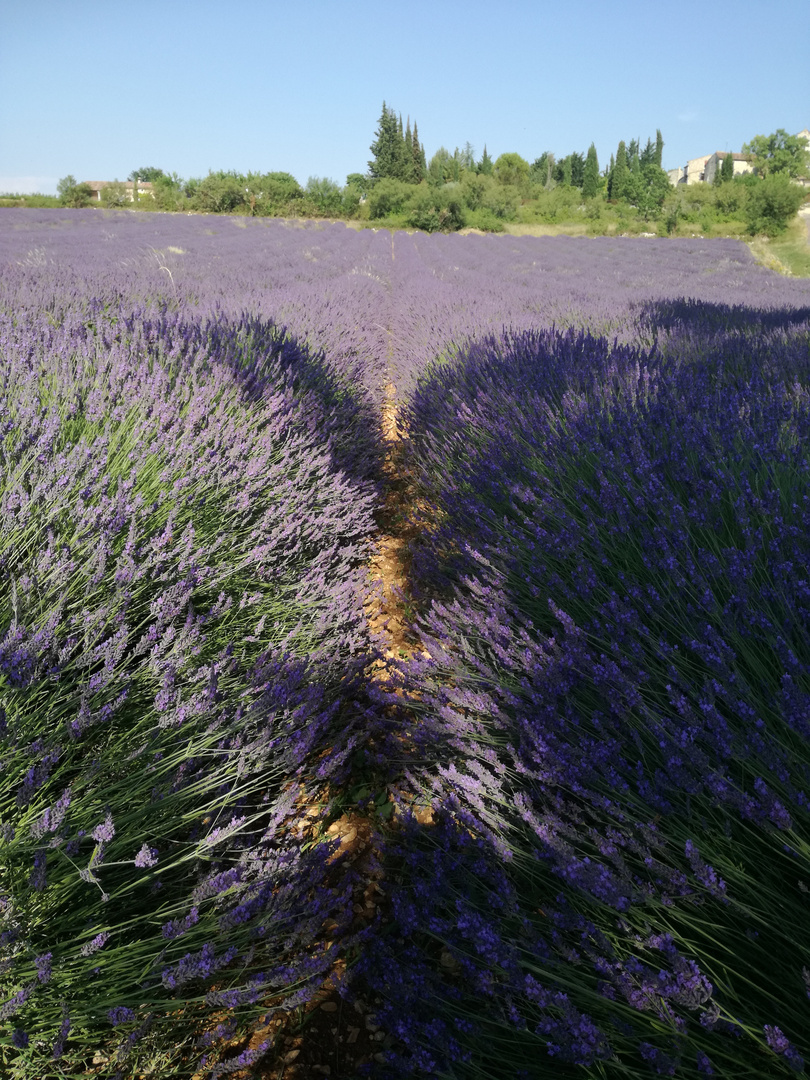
[167, 191]
[354, 194]
[772, 203]
[485, 220]
[115, 195]
[647, 189]
[391, 159]
[325, 195]
[419, 166]
[779, 153]
[474, 189]
[726, 172]
[502, 202]
[351, 201]
[511, 170]
[149, 174]
[485, 164]
[272, 194]
[730, 197]
[220, 193]
[467, 156]
[542, 170]
[388, 196]
[437, 209]
[409, 160]
[36, 200]
[444, 167]
[590, 174]
[570, 170]
[620, 175]
[559, 204]
[73, 194]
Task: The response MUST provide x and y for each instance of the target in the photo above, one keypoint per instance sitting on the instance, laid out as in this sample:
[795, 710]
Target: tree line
[402, 188]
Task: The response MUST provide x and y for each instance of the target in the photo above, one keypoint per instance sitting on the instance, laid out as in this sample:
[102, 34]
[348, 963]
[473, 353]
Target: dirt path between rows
[331, 1037]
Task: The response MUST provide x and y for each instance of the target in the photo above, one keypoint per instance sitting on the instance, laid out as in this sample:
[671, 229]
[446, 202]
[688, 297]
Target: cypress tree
[659, 147]
[419, 167]
[485, 164]
[385, 148]
[727, 169]
[409, 162]
[403, 165]
[590, 177]
[621, 174]
[577, 169]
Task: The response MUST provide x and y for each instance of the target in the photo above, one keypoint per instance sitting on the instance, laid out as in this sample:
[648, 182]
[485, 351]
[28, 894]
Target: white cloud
[28, 185]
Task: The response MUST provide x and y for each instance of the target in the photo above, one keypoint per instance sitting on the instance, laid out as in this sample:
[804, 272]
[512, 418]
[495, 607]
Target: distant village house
[97, 186]
[742, 164]
[702, 170]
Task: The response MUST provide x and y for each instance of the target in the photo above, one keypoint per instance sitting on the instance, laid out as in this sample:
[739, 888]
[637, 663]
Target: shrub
[387, 197]
[114, 195]
[771, 204]
[485, 220]
[437, 209]
[73, 194]
[181, 631]
[617, 699]
[220, 193]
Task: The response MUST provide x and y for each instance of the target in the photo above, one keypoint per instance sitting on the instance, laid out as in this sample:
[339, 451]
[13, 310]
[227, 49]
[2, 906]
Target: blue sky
[99, 88]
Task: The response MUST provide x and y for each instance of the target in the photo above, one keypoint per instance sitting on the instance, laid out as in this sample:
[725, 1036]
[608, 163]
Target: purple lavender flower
[120, 1015]
[146, 857]
[19, 1038]
[105, 831]
[98, 942]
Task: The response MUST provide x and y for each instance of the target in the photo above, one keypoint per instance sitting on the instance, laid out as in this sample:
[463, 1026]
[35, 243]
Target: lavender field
[608, 715]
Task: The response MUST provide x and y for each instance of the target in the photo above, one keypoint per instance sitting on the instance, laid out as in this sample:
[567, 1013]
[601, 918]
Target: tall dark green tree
[409, 162]
[542, 170]
[403, 160]
[563, 172]
[577, 168]
[659, 147]
[620, 175]
[485, 164]
[727, 169]
[419, 162]
[387, 148]
[590, 176]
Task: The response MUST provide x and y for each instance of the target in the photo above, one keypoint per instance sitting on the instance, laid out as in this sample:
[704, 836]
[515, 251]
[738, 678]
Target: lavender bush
[378, 306]
[615, 707]
[612, 724]
[183, 536]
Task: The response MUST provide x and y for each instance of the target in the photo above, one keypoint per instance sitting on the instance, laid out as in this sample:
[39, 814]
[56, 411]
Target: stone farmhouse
[702, 170]
[97, 186]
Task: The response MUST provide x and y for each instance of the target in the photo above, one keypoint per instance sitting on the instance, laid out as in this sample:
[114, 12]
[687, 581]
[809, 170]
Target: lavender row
[379, 306]
[612, 725]
[186, 509]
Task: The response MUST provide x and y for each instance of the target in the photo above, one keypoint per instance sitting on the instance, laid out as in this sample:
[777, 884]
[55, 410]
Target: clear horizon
[98, 91]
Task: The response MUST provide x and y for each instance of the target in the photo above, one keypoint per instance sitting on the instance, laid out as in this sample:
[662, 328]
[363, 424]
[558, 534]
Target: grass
[789, 254]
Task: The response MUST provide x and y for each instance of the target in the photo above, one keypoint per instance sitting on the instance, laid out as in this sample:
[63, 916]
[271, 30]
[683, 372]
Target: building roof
[143, 185]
